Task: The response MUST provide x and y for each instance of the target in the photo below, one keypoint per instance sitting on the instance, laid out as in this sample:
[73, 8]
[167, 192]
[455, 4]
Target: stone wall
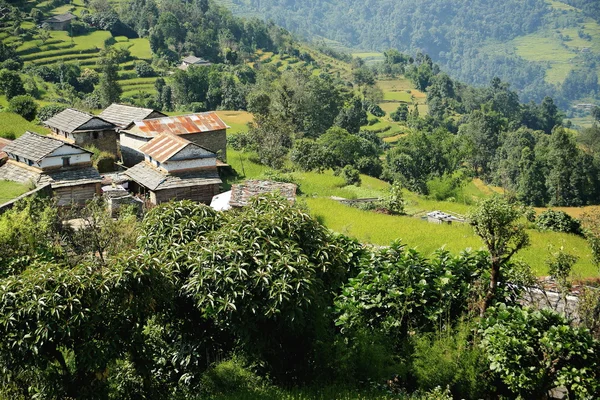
[214, 141]
[201, 194]
[103, 140]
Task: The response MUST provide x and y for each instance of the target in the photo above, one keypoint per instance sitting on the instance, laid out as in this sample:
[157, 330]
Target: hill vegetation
[539, 47]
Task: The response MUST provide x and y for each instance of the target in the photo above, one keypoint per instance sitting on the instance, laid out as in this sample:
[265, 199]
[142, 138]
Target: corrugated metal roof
[123, 115]
[163, 147]
[70, 120]
[34, 146]
[180, 125]
[194, 60]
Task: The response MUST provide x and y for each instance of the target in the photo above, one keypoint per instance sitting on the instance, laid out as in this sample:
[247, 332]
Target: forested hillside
[473, 41]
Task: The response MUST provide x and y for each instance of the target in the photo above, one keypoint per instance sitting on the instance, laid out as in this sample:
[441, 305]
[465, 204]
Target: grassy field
[237, 120]
[10, 190]
[380, 229]
[14, 124]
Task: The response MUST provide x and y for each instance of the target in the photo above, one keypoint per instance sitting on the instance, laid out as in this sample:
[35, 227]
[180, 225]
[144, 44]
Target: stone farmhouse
[175, 168]
[193, 60]
[83, 129]
[122, 115]
[241, 193]
[204, 129]
[60, 22]
[41, 160]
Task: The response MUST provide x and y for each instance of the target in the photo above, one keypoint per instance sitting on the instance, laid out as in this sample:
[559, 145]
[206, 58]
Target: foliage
[23, 105]
[557, 221]
[534, 351]
[398, 290]
[451, 358]
[109, 89]
[48, 111]
[232, 376]
[11, 84]
[143, 69]
[497, 223]
[351, 175]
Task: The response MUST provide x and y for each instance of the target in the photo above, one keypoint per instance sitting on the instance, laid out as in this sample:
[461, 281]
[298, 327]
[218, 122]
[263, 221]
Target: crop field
[237, 120]
[10, 190]
[369, 58]
[14, 124]
[381, 229]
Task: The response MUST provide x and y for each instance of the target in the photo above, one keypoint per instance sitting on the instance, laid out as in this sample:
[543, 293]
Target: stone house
[83, 129]
[175, 169]
[122, 115]
[241, 193]
[204, 129]
[40, 160]
[60, 22]
[193, 60]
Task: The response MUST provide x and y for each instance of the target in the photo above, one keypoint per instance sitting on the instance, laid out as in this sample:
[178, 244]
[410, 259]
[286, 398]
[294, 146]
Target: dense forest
[453, 33]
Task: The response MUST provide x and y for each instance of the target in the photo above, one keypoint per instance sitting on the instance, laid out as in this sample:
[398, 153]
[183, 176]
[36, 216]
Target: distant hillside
[533, 44]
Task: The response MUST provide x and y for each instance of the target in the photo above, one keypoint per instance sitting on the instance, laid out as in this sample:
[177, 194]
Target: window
[29, 162]
[95, 135]
[66, 161]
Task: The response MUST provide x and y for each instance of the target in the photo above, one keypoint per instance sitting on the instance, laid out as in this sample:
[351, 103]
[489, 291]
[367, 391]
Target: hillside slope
[532, 44]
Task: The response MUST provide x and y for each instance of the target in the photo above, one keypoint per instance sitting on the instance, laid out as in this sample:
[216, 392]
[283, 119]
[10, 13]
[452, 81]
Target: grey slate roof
[153, 179]
[71, 177]
[60, 18]
[34, 146]
[242, 193]
[71, 120]
[122, 115]
[12, 171]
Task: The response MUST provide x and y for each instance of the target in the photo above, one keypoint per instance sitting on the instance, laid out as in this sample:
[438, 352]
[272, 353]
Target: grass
[10, 190]
[381, 229]
[236, 120]
[139, 48]
[402, 96]
[11, 123]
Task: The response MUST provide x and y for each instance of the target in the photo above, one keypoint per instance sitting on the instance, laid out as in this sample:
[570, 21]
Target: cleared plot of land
[561, 6]
[369, 57]
[10, 190]
[14, 124]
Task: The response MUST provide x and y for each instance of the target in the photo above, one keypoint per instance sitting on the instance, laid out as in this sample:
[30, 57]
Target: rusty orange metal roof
[179, 125]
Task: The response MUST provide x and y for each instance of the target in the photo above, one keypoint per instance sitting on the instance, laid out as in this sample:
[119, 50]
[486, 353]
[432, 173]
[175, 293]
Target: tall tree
[497, 222]
[109, 88]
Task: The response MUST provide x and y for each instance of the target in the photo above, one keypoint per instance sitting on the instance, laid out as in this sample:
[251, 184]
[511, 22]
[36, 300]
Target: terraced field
[83, 50]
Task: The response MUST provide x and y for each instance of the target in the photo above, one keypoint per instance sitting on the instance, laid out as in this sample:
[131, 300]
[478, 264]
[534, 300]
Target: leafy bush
[24, 105]
[351, 175]
[231, 377]
[143, 69]
[451, 359]
[558, 221]
[532, 351]
[399, 290]
[49, 111]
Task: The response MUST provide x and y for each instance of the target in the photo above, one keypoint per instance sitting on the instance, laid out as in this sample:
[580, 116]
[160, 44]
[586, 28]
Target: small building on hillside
[39, 160]
[204, 129]
[61, 22]
[240, 194]
[83, 129]
[195, 61]
[122, 115]
[175, 169]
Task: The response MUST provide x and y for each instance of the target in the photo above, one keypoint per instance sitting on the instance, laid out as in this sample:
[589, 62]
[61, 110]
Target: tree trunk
[491, 293]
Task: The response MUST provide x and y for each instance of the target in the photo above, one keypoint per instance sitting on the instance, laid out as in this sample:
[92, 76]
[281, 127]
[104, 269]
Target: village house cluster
[160, 158]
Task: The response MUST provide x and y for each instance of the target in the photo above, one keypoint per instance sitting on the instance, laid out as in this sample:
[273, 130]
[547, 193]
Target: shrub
[231, 376]
[23, 105]
[102, 160]
[351, 175]
[49, 111]
[533, 351]
[143, 69]
[558, 221]
[451, 359]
